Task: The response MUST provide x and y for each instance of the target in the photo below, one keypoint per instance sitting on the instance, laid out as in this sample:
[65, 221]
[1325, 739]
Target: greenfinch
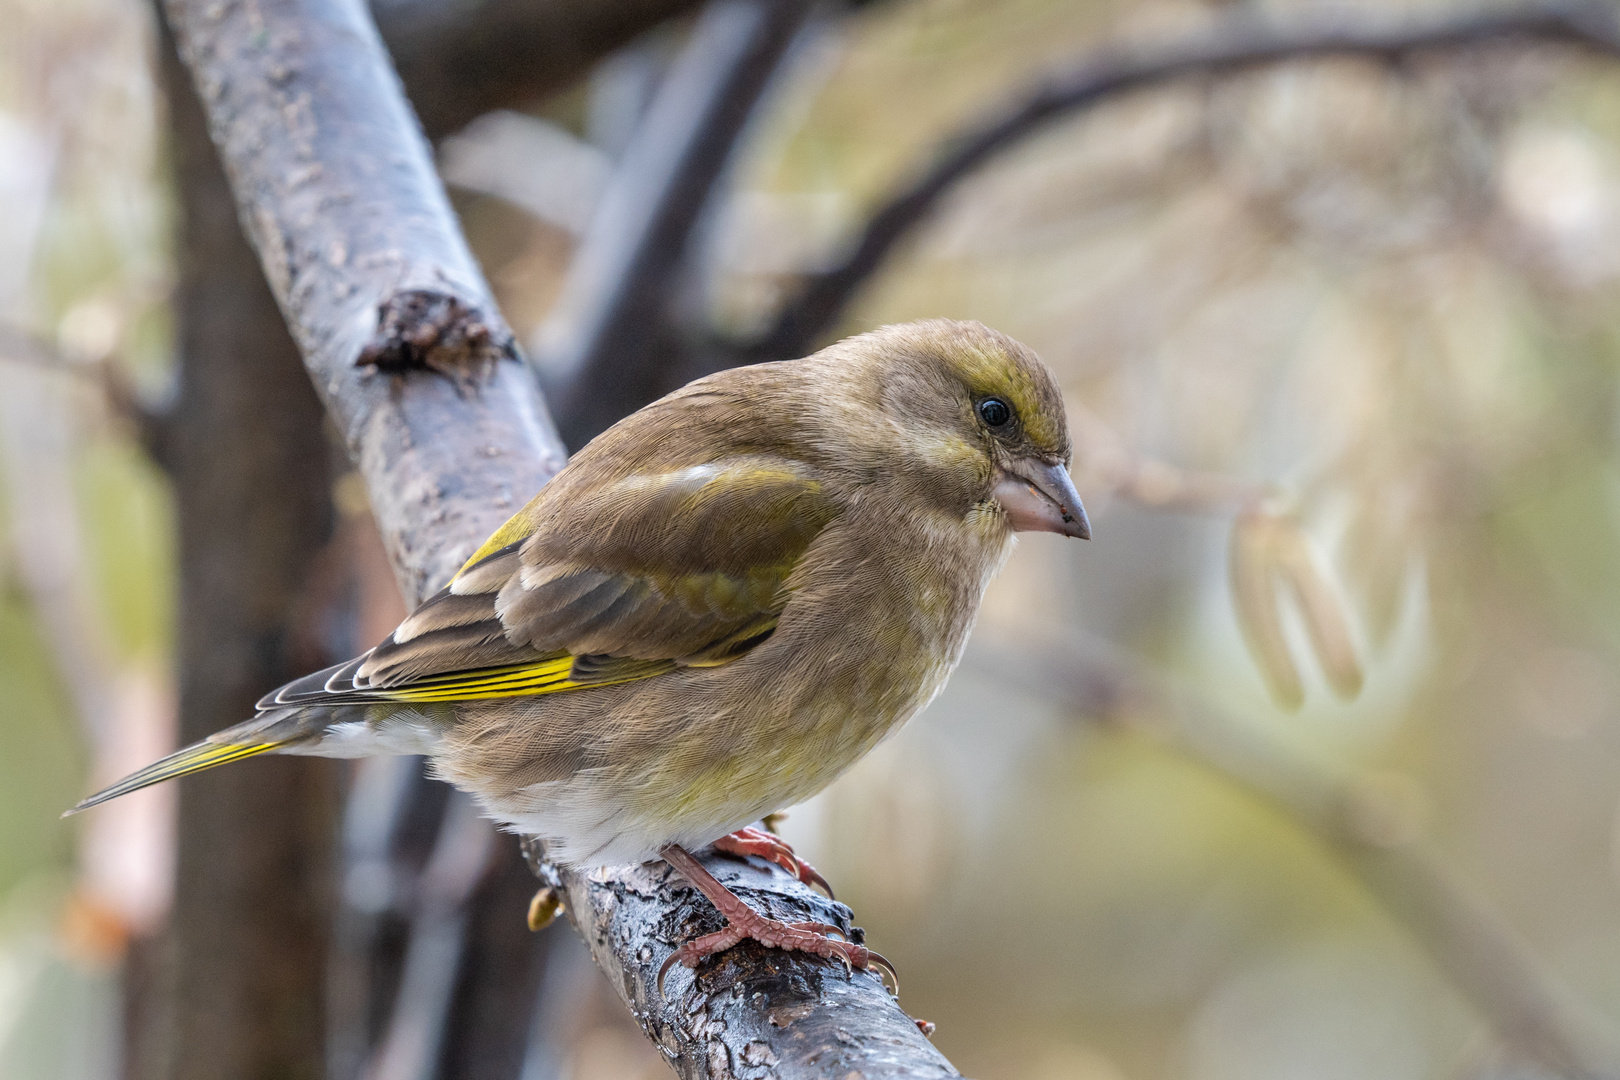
[716, 608]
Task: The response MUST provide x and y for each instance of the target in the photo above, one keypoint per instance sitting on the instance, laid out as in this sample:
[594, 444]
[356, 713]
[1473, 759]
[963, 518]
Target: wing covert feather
[666, 565]
[630, 578]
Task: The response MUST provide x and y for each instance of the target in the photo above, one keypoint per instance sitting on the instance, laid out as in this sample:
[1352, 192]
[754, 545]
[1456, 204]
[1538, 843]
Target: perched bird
[717, 607]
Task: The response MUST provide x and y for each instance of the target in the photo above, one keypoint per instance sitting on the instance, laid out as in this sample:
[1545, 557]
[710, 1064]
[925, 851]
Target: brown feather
[446, 609]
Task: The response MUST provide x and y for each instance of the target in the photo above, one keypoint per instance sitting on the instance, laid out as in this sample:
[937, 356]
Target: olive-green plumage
[721, 604]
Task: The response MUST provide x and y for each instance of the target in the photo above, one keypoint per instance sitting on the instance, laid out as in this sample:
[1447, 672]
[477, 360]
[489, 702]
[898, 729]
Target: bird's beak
[1039, 497]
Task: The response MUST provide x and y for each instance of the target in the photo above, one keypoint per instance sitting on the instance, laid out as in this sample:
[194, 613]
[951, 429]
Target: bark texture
[750, 1012]
[336, 189]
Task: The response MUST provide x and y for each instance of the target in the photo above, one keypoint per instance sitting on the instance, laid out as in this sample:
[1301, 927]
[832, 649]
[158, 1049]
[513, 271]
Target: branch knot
[423, 329]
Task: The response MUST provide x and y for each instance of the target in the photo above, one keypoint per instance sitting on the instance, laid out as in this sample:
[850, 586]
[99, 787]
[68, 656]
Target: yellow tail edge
[194, 758]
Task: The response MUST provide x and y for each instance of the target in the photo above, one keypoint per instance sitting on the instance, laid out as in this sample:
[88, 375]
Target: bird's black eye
[994, 411]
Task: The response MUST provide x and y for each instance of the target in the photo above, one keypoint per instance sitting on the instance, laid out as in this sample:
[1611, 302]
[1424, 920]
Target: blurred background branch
[608, 348]
[1240, 43]
[461, 60]
[107, 373]
[1372, 821]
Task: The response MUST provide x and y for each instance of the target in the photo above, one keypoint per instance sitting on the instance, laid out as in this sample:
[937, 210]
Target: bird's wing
[621, 581]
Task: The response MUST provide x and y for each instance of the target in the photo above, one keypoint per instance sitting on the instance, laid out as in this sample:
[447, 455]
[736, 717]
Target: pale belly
[688, 792]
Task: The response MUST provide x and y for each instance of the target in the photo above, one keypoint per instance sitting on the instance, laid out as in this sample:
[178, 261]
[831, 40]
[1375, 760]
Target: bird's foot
[743, 923]
[772, 848]
[807, 937]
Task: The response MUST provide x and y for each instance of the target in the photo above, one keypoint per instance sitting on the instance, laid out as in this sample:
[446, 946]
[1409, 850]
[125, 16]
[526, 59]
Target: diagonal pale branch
[335, 187]
[336, 190]
[1237, 45]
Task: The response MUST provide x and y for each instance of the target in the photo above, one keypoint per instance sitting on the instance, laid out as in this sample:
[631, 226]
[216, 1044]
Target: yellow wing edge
[184, 762]
[549, 676]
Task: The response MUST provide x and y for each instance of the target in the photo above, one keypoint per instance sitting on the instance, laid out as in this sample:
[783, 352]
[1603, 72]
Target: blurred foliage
[128, 522]
[44, 759]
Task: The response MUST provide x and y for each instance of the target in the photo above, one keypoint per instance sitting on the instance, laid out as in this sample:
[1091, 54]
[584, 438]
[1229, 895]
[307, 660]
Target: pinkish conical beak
[1038, 496]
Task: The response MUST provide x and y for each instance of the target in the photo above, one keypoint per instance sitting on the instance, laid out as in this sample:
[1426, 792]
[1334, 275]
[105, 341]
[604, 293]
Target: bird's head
[975, 417]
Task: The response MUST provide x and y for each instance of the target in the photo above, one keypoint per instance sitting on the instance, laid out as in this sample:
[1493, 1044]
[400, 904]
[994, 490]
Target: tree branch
[1239, 45]
[611, 349]
[149, 424]
[461, 60]
[336, 189]
[243, 962]
[753, 1012]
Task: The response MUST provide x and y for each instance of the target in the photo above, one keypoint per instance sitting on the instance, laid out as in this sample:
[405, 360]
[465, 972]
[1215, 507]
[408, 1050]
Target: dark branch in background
[461, 60]
[613, 352]
[418, 1029]
[1239, 45]
[335, 186]
[1360, 819]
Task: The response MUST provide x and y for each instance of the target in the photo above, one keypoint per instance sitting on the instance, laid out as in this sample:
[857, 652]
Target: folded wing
[627, 580]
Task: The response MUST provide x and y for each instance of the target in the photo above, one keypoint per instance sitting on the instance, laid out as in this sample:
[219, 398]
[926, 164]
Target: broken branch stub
[420, 329]
[335, 187]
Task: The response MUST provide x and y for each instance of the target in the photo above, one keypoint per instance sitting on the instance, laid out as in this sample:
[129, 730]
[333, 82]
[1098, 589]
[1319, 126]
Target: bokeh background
[1341, 347]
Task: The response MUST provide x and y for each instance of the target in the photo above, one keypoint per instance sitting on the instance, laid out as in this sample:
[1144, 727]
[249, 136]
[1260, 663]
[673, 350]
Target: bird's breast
[874, 627]
[875, 621]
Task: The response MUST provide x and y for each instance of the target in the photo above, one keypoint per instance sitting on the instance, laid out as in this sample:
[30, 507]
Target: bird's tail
[264, 734]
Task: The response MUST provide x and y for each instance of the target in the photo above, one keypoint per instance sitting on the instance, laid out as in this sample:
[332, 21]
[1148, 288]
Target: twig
[1471, 943]
[359, 246]
[610, 348]
[150, 424]
[1238, 45]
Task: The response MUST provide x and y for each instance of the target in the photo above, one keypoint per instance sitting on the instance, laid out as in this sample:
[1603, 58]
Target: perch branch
[335, 188]
[1237, 45]
[419, 373]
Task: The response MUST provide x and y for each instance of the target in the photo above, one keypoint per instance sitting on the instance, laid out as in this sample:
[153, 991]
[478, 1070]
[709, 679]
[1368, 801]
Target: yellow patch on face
[988, 370]
[944, 449]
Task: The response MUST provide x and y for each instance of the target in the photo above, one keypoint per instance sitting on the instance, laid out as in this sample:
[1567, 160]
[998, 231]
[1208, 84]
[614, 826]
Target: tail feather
[194, 758]
[266, 733]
